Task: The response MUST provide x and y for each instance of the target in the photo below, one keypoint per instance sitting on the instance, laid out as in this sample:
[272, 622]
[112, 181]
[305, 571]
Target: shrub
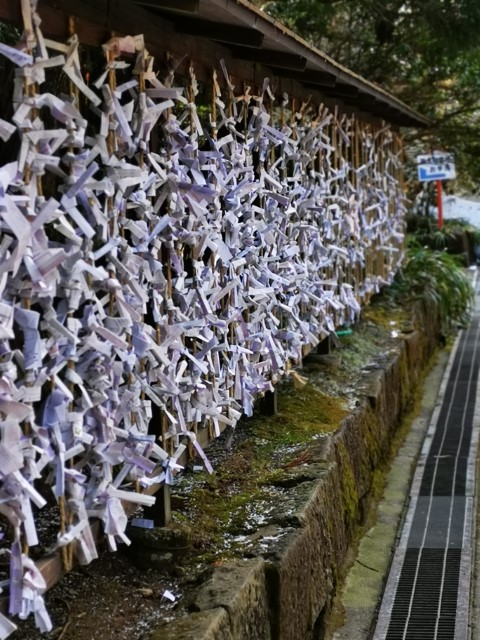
[438, 278]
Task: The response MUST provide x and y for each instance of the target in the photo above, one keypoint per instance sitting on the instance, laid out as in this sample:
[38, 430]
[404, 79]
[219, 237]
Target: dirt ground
[109, 599]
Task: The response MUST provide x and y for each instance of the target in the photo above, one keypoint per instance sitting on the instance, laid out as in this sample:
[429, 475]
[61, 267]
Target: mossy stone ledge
[280, 585]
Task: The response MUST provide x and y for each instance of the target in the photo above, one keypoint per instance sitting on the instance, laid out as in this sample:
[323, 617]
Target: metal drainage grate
[429, 580]
[426, 599]
[443, 477]
[438, 523]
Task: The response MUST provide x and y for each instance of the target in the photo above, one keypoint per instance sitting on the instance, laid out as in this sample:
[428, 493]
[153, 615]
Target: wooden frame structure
[287, 156]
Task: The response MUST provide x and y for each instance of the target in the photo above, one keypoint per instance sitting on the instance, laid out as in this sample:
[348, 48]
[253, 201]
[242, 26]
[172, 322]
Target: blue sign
[438, 165]
[424, 174]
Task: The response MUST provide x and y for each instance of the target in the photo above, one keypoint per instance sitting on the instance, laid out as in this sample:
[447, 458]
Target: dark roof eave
[290, 43]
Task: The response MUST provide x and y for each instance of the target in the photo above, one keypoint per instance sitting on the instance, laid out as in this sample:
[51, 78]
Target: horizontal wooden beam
[271, 58]
[318, 78]
[220, 32]
[343, 90]
[10, 10]
[181, 6]
[313, 78]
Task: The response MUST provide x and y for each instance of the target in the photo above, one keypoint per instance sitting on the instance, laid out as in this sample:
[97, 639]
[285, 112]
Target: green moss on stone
[302, 415]
[349, 490]
[275, 450]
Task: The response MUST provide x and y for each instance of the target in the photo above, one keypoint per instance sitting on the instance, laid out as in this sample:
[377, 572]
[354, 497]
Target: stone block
[205, 625]
[239, 588]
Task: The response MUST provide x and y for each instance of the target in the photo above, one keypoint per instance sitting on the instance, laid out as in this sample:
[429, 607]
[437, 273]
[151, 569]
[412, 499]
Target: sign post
[439, 204]
[435, 167]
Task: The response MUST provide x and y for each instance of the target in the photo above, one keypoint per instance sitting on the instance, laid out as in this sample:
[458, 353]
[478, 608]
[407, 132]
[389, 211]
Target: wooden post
[439, 204]
[268, 405]
[325, 346]
[161, 511]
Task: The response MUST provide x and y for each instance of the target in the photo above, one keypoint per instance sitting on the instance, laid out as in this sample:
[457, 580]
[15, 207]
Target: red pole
[439, 204]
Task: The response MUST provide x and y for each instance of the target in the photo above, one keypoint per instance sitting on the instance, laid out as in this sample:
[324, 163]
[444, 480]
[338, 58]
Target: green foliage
[456, 232]
[438, 278]
[455, 226]
[370, 35]
[9, 34]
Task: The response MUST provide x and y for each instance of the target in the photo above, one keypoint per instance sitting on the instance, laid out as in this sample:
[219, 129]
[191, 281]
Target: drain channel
[428, 589]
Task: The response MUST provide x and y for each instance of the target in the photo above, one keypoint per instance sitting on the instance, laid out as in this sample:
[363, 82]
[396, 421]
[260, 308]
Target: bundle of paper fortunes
[188, 273]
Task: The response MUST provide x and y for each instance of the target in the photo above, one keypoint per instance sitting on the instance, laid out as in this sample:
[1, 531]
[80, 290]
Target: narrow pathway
[427, 596]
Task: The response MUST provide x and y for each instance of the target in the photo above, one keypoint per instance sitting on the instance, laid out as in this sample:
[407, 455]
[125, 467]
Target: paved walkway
[428, 593]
